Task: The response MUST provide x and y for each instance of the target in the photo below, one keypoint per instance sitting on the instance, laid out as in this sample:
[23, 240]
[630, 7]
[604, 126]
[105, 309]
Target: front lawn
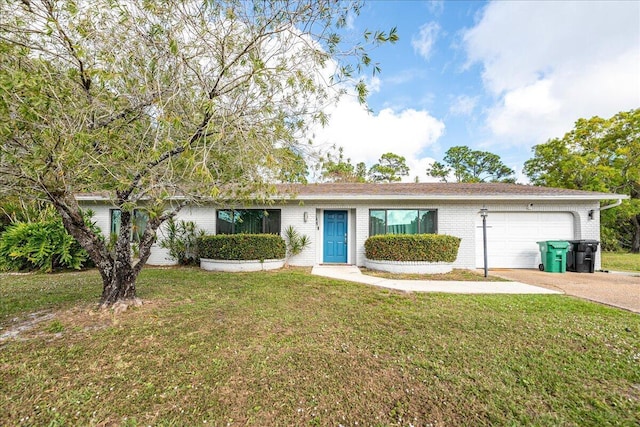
[620, 261]
[463, 275]
[288, 348]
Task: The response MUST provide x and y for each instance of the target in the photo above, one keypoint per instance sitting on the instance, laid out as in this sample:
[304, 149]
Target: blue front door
[335, 236]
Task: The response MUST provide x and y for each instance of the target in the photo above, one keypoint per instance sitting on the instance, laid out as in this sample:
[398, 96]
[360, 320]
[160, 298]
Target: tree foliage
[390, 168]
[467, 165]
[335, 168]
[158, 105]
[598, 155]
[293, 166]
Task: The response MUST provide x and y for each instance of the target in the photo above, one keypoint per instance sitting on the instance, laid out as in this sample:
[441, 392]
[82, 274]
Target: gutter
[604, 208]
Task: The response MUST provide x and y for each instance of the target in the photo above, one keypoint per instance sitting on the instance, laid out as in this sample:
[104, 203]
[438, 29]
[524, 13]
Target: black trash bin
[581, 256]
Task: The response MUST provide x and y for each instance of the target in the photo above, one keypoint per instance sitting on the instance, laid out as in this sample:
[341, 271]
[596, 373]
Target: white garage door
[512, 237]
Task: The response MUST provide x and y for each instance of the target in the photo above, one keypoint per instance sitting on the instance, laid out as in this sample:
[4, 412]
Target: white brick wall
[456, 218]
[294, 215]
[203, 216]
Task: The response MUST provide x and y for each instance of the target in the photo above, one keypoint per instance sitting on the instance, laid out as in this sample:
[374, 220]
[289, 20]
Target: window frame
[418, 211]
[264, 226]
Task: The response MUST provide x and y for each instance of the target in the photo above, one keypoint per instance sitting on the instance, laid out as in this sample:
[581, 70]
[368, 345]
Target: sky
[498, 76]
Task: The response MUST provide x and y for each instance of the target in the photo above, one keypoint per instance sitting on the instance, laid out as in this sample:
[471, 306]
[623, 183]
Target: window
[402, 221]
[248, 221]
[140, 219]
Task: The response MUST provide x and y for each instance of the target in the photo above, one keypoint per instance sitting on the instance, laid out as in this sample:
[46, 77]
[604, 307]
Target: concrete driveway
[618, 290]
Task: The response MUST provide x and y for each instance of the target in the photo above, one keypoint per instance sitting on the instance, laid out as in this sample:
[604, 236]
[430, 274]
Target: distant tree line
[336, 168]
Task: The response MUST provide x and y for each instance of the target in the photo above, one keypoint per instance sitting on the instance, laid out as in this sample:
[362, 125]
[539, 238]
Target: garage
[512, 237]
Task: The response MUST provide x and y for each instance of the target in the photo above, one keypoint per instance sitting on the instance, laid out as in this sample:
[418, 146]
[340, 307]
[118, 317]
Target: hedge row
[241, 247]
[412, 247]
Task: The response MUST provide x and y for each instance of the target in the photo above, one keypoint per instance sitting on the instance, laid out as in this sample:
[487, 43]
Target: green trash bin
[554, 256]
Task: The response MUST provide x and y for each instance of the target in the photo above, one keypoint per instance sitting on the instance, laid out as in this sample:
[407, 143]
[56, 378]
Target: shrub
[242, 247]
[14, 210]
[41, 246]
[412, 247]
[295, 241]
[610, 240]
[181, 241]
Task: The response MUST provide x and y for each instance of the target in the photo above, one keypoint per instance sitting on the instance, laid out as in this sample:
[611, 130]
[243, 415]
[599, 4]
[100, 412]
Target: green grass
[454, 275]
[620, 261]
[288, 348]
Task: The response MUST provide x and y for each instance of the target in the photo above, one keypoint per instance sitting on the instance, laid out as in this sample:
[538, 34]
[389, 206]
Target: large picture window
[140, 219]
[248, 221]
[403, 221]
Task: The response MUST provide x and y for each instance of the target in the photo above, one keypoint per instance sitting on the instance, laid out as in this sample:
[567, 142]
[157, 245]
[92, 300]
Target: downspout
[604, 208]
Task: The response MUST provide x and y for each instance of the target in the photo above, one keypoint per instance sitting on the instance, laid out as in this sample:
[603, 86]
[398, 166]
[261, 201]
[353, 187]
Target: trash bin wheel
[541, 267]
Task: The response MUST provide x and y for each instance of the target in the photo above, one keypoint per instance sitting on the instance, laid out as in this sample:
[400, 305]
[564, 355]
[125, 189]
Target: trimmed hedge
[241, 247]
[412, 247]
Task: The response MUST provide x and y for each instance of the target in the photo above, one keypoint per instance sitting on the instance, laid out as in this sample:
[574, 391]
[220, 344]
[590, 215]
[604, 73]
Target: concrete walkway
[353, 274]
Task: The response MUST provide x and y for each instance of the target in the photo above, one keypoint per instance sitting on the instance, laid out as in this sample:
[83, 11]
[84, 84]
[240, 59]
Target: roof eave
[501, 197]
[412, 197]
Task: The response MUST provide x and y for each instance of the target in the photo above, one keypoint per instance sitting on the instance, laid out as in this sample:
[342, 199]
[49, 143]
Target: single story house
[339, 217]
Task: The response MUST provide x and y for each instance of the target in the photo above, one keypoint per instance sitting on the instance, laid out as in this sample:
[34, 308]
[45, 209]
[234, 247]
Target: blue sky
[495, 76]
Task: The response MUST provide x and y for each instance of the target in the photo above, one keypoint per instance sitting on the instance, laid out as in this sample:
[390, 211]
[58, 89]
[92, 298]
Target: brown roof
[464, 191]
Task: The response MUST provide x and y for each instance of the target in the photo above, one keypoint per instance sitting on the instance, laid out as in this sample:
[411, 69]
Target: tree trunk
[118, 270]
[119, 286]
[119, 282]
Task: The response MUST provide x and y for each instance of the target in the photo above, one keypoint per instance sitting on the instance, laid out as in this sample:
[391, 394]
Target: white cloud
[436, 7]
[407, 75]
[523, 109]
[366, 136]
[463, 105]
[549, 63]
[423, 43]
[349, 24]
[374, 84]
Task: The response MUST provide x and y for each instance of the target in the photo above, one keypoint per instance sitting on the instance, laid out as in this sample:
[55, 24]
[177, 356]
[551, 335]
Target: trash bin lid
[558, 244]
[584, 245]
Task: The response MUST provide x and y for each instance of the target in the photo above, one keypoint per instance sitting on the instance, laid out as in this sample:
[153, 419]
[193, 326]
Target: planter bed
[409, 267]
[237, 266]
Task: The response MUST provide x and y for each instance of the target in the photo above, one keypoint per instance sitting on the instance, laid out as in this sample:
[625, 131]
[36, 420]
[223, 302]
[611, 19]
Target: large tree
[390, 168]
[599, 155]
[467, 165]
[157, 105]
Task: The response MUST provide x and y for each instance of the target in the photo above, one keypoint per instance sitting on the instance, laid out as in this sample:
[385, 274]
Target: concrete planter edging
[409, 267]
[233, 266]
